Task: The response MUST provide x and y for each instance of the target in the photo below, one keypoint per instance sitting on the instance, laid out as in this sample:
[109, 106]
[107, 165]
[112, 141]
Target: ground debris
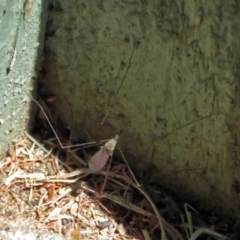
[44, 190]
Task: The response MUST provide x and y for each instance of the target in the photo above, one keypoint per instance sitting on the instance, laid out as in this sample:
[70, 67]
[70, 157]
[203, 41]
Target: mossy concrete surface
[21, 40]
[179, 102]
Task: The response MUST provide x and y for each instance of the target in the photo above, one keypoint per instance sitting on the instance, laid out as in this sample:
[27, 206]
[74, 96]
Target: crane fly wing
[99, 159]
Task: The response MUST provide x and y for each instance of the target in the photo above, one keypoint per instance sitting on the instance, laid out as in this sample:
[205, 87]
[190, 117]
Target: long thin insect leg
[109, 109]
[129, 169]
[105, 179]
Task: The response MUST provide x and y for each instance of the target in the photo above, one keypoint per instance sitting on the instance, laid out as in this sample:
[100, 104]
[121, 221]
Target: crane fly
[100, 158]
[98, 161]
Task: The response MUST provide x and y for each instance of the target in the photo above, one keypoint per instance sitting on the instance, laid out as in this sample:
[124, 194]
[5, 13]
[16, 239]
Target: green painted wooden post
[21, 43]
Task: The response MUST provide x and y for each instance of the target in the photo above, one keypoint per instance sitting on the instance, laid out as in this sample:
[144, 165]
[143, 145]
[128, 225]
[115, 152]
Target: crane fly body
[100, 158]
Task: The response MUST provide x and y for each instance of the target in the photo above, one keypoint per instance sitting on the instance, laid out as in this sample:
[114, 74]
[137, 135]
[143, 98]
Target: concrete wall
[180, 99]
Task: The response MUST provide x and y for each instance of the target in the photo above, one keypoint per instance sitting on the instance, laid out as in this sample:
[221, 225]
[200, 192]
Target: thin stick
[43, 148]
[161, 221]
[110, 174]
